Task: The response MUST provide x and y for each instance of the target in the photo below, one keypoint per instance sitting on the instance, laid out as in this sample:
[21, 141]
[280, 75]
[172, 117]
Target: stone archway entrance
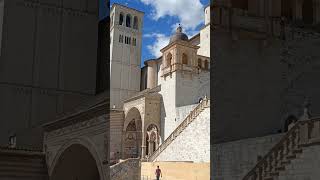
[132, 136]
[76, 163]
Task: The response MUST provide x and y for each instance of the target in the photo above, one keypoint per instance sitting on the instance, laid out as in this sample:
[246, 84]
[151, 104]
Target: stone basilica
[155, 115]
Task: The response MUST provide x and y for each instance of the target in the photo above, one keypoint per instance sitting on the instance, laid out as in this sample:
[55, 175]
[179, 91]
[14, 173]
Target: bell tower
[179, 56]
[178, 74]
[125, 53]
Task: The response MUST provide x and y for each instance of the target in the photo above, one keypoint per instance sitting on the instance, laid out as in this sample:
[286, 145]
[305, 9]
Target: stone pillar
[152, 74]
[316, 11]
[298, 9]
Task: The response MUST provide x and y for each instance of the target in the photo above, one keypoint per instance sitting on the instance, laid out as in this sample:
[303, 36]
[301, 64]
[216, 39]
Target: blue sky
[161, 19]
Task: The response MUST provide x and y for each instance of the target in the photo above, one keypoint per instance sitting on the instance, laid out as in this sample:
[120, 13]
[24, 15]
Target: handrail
[299, 135]
[191, 116]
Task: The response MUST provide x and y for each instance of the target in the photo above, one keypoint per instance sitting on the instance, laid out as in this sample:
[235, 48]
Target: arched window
[168, 60]
[184, 59]
[206, 64]
[121, 19]
[135, 22]
[199, 63]
[128, 20]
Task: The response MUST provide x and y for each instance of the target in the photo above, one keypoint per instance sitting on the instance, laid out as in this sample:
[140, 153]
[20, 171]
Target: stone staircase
[292, 147]
[22, 164]
[205, 103]
[128, 169]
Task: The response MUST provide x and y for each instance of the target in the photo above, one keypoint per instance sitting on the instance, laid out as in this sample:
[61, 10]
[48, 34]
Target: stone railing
[303, 133]
[128, 169]
[192, 116]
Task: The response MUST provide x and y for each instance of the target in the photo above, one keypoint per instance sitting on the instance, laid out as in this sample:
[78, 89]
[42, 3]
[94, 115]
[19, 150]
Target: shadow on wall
[163, 115]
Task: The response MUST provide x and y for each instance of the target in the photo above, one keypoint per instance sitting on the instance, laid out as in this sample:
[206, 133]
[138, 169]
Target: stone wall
[116, 129]
[126, 170]
[306, 166]
[1, 21]
[176, 170]
[168, 114]
[13, 161]
[232, 160]
[182, 112]
[193, 144]
[42, 67]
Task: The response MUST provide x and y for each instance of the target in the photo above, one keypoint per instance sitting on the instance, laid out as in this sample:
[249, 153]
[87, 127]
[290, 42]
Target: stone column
[149, 150]
[298, 9]
[152, 72]
[316, 11]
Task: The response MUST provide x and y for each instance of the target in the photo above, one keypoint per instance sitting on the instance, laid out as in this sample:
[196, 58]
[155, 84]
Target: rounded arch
[132, 134]
[121, 18]
[168, 59]
[128, 20]
[135, 22]
[184, 58]
[75, 149]
[134, 113]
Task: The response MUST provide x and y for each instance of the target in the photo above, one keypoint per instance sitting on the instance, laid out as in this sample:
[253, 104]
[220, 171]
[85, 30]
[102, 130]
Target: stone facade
[232, 160]
[1, 22]
[46, 76]
[192, 144]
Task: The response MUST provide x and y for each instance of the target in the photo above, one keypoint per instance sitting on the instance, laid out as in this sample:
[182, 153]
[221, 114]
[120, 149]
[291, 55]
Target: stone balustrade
[303, 133]
[128, 169]
[193, 114]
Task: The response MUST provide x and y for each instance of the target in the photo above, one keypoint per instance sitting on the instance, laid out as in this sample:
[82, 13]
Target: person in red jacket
[158, 173]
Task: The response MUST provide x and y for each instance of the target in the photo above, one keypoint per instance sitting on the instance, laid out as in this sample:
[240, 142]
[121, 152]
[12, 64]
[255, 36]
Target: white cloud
[160, 42]
[189, 12]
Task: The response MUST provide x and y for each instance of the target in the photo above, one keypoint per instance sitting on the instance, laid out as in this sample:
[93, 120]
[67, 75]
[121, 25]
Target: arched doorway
[132, 139]
[76, 163]
[290, 121]
[307, 11]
